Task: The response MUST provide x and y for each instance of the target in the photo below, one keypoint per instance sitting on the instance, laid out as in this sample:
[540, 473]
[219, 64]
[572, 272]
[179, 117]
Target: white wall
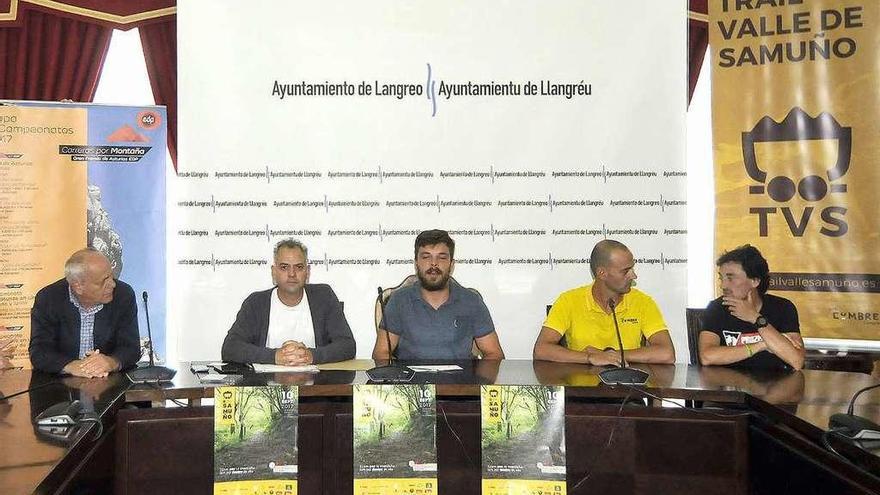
[125, 81]
[701, 193]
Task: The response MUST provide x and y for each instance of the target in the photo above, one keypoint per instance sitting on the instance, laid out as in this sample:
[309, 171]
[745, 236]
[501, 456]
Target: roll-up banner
[73, 175]
[795, 107]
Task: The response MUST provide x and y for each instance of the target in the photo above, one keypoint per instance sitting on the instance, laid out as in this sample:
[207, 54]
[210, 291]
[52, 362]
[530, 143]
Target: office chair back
[694, 317]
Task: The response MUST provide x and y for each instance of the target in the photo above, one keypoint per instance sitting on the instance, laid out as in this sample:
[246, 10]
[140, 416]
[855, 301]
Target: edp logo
[148, 120]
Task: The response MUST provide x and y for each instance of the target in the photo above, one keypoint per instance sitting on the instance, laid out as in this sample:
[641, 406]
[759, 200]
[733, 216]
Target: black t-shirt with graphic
[732, 331]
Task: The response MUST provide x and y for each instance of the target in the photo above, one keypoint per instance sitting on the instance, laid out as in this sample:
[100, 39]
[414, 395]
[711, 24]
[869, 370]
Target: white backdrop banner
[530, 130]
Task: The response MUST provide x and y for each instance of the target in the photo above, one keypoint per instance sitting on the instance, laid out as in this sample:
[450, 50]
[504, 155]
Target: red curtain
[51, 58]
[160, 51]
[698, 40]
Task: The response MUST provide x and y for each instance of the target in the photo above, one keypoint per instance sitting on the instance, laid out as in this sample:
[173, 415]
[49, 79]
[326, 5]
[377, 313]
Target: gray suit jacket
[246, 340]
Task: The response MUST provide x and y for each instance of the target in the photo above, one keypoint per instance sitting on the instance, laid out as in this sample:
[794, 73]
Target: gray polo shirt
[447, 332]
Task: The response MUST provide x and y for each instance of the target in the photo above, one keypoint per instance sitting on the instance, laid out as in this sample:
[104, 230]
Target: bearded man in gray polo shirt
[436, 318]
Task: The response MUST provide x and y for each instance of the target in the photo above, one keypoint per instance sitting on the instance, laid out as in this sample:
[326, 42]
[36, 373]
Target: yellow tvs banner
[795, 107]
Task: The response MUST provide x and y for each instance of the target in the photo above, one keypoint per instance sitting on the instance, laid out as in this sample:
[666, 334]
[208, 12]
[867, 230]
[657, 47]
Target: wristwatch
[761, 322]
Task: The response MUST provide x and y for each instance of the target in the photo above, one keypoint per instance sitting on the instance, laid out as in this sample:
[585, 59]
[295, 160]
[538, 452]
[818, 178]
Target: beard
[430, 286]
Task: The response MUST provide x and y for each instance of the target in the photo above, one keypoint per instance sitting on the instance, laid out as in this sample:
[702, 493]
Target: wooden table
[54, 460]
[781, 418]
[767, 439]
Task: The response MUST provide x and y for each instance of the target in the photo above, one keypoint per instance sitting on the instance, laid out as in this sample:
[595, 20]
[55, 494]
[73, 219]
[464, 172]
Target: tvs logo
[798, 126]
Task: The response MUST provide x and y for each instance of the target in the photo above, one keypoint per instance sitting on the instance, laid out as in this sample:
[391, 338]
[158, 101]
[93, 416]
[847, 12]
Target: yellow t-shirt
[578, 317]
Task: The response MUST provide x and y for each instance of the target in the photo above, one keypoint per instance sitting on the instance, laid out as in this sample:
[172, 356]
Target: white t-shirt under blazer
[290, 323]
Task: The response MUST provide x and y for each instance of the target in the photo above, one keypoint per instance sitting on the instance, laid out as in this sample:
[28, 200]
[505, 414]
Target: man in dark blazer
[86, 323]
[294, 323]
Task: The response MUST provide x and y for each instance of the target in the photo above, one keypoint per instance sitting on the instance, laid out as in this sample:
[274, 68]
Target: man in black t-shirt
[746, 326]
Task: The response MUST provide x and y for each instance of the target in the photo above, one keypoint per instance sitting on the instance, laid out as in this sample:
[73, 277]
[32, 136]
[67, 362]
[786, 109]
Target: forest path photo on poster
[262, 448]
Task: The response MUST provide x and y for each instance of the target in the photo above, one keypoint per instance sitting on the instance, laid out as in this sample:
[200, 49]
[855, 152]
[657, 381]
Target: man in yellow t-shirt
[583, 316]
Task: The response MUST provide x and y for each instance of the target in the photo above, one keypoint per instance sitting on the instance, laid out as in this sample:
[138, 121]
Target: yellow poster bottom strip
[523, 487]
[391, 486]
[256, 487]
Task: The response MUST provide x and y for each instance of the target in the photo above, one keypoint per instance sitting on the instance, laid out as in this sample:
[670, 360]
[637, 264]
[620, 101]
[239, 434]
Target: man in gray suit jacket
[294, 323]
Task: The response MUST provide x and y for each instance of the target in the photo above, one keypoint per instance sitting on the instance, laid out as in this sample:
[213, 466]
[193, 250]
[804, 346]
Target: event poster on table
[255, 440]
[73, 175]
[395, 439]
[530, 130]
[523, 439]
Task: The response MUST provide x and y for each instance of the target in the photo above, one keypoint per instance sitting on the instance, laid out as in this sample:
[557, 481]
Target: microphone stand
[151, 373]
[391, 372]
[621, 374]
[855, 427]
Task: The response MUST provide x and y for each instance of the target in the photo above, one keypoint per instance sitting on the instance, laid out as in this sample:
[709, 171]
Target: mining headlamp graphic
[798, 126]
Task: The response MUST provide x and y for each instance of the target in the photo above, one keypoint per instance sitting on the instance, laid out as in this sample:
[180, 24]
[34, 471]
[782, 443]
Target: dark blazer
[246, 340]
[55, 328]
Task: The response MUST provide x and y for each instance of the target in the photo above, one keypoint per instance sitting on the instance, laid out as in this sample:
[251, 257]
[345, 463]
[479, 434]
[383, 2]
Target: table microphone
[621, 374]
[392, 372]
[852, 426]
[151, 373]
